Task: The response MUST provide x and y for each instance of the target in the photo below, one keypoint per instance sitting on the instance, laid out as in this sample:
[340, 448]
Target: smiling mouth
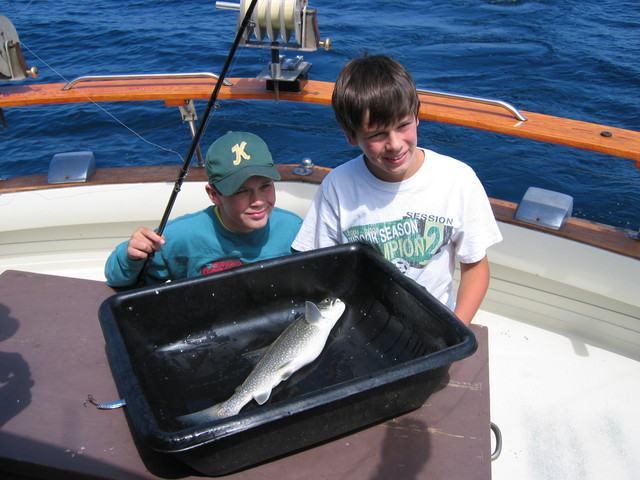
[257, 215]
[396, 158]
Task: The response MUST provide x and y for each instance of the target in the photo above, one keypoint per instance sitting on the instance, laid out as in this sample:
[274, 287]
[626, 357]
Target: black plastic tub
[183, 346]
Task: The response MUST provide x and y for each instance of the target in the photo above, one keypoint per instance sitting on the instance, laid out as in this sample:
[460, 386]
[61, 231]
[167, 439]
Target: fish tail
[214, 412]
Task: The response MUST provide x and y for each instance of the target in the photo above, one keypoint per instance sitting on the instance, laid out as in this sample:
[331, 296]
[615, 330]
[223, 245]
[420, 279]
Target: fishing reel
[281, 25]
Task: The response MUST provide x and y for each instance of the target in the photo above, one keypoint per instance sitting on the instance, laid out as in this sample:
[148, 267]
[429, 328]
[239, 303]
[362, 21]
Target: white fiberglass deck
[565, 407]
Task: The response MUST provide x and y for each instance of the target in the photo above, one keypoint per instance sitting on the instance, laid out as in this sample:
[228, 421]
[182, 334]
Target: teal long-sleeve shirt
[198, 243]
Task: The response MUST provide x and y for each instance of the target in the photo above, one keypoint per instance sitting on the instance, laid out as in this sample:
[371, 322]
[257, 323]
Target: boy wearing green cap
[242, 225]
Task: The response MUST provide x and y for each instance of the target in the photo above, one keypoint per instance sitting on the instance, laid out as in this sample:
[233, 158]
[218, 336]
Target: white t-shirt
[421, 224]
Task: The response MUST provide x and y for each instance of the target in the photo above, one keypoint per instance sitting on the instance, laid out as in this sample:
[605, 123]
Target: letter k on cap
[239, 151]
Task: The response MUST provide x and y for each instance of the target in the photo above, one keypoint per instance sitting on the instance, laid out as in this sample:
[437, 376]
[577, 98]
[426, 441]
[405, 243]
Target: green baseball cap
[236, 156]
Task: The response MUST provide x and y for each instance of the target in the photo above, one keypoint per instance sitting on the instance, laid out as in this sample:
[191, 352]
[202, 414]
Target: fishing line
[19, 13]
[44, 62]
[93, 140]
[100, 107]
[215, 106]
[196, 138]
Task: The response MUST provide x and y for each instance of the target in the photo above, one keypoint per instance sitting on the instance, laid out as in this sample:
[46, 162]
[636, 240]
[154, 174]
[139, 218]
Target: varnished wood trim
[160, 173]
[610, 238]
[563, 131]
[584, 135]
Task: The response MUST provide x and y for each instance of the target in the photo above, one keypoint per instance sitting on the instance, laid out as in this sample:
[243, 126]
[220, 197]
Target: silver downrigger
[281, 25]
[12, 63]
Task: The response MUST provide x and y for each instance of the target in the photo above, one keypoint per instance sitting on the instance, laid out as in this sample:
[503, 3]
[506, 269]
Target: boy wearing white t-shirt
[422, 210]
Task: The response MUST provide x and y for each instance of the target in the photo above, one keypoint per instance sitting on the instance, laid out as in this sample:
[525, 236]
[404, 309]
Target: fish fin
[255, 355]
[313, 315]
[285, 372]
[262, 397]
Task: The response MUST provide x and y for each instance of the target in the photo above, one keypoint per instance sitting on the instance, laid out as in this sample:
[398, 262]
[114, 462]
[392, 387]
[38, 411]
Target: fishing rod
[196, 138]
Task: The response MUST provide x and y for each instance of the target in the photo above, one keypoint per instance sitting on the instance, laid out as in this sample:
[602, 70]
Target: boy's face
[249, 207]
[391, 152]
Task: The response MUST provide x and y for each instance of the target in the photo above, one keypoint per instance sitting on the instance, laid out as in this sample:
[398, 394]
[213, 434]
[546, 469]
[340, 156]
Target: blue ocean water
[575, 58]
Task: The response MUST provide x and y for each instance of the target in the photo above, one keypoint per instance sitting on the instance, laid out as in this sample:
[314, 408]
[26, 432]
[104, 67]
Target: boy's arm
[119, 269]
[474, 282]
[126, 262]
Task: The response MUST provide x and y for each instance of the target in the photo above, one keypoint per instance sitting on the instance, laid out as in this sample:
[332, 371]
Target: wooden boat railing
[467, 112]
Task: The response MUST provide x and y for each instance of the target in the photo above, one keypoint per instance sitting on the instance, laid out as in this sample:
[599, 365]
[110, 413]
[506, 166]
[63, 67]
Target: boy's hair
[376, 84]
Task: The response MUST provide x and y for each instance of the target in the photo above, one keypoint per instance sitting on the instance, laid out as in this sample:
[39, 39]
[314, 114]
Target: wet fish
[298, 345]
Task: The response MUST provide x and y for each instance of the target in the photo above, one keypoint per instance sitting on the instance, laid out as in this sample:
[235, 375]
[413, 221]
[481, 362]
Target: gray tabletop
[52, 356]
